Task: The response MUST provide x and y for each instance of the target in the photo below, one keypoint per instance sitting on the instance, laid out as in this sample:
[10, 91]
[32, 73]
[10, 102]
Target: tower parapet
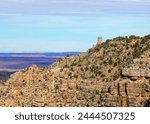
[99, 40]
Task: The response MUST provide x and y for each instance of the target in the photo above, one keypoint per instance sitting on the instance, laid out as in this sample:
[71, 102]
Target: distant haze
[10, 62]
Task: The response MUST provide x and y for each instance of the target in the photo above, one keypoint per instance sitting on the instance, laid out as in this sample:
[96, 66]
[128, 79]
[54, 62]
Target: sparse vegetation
[82, 80]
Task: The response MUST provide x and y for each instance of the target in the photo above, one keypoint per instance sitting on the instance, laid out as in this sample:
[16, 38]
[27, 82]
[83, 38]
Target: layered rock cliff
[112, 73]
[133, 88]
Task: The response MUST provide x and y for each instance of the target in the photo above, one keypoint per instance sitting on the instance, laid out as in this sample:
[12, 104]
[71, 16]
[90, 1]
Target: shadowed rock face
[113, 73]
[129, 93]
[147, 103]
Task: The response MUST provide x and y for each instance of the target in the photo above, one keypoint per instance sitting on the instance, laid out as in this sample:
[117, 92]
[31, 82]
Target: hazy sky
[68, 25]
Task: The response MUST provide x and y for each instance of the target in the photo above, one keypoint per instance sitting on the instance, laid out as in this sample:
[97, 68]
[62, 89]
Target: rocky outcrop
[132, 89]
[128, 93]
[136, 73]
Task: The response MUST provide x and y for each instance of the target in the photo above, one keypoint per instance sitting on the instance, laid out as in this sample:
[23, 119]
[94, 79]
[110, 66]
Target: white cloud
[74, 7]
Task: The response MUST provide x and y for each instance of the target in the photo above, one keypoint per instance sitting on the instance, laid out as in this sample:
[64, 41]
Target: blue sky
[68, 25]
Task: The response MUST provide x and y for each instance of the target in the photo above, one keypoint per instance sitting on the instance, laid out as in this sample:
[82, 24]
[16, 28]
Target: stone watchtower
[99, 41]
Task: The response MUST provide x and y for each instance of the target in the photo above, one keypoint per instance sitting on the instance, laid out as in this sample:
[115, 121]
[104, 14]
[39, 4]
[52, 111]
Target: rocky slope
[113, 73]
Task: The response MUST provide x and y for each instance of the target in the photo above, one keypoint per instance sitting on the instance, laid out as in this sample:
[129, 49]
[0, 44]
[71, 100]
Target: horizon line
[46, 52]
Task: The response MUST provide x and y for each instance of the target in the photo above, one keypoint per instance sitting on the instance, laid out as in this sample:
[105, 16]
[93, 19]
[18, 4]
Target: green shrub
[110, 62]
